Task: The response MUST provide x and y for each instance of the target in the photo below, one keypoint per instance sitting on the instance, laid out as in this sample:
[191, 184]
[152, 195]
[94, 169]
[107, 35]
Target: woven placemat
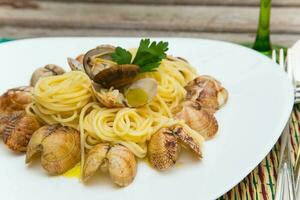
[260, 184]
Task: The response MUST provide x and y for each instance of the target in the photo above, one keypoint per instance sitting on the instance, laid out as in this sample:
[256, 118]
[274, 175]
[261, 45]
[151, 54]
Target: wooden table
[231, 20]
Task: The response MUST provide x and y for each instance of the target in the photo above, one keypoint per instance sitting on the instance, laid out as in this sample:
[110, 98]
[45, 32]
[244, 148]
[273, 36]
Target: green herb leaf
[149, 56]
[121, 56]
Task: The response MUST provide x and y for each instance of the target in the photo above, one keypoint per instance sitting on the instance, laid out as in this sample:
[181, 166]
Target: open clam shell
[163, 149]
[198, 119]
[122, 166]
[110, 98]
[59, 147]
[208, 92]
[101, 69]
[117, 76]
[48, 70]
[94, 159]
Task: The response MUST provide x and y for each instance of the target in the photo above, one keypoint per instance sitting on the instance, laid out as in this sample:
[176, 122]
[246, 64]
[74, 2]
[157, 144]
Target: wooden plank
[19, 3]
[149, 17]
[195, 2]
[25, 32]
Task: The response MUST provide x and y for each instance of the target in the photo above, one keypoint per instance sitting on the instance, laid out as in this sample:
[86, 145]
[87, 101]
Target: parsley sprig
[148, 56]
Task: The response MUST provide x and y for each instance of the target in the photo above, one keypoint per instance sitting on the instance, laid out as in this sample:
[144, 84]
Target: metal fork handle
[285, 188]
[285, 183]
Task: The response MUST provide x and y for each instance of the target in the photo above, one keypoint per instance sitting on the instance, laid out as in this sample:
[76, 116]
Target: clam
[119, 161]
[172, 58]
[59, 147]
[17, 130]
[208, 92]
[165, 145]
[163, 149]
[75, 65]
[4, 117]
[198, 119]
[16, 99]
[79, 58]
[110, 98]
[101, 69]
[122, 165]
[48, 70]
[187, 141]
[95, 158]
[102, 52]
[117, 76]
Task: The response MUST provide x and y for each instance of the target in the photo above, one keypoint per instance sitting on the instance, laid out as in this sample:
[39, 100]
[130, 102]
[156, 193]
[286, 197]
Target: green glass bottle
[262, 41]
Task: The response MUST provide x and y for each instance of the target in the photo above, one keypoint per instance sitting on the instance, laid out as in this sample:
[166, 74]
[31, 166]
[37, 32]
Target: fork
[285, 188]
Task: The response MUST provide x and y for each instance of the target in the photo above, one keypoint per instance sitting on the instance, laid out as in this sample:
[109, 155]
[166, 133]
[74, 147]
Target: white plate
[260, 100]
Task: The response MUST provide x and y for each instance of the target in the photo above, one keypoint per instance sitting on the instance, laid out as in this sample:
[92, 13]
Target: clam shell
[4, 118]
[94, 160]
[208, 92]
[18, 130]
[163, 149]
[122, 166]
[200, 120]
[117, 76]
[16, 99]
[108, 73]
[111, 98]
[75, 65]
[59, 147]
[188, 141]
[48, 70]
[102, 51]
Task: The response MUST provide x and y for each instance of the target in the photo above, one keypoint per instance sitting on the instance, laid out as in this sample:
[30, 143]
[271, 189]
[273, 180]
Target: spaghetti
[132, 127]
[68, 99]
[59, 99]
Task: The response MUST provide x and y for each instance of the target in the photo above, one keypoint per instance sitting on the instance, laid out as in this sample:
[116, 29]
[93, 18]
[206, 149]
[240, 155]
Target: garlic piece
[141, 92]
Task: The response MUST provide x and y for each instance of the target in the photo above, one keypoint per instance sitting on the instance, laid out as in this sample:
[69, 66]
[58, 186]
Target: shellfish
[59, 147]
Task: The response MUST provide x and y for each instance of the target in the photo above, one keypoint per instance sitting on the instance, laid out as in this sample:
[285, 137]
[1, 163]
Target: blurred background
[231, 20]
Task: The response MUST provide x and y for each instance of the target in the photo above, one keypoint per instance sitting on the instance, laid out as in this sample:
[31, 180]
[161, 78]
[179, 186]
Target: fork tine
[281, 59]
[290, 63]
[274, 57]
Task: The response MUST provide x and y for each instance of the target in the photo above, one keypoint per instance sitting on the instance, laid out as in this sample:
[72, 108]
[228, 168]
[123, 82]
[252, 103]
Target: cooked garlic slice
[141, 92]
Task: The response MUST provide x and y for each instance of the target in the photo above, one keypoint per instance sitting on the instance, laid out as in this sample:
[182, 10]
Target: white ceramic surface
[260, 100]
